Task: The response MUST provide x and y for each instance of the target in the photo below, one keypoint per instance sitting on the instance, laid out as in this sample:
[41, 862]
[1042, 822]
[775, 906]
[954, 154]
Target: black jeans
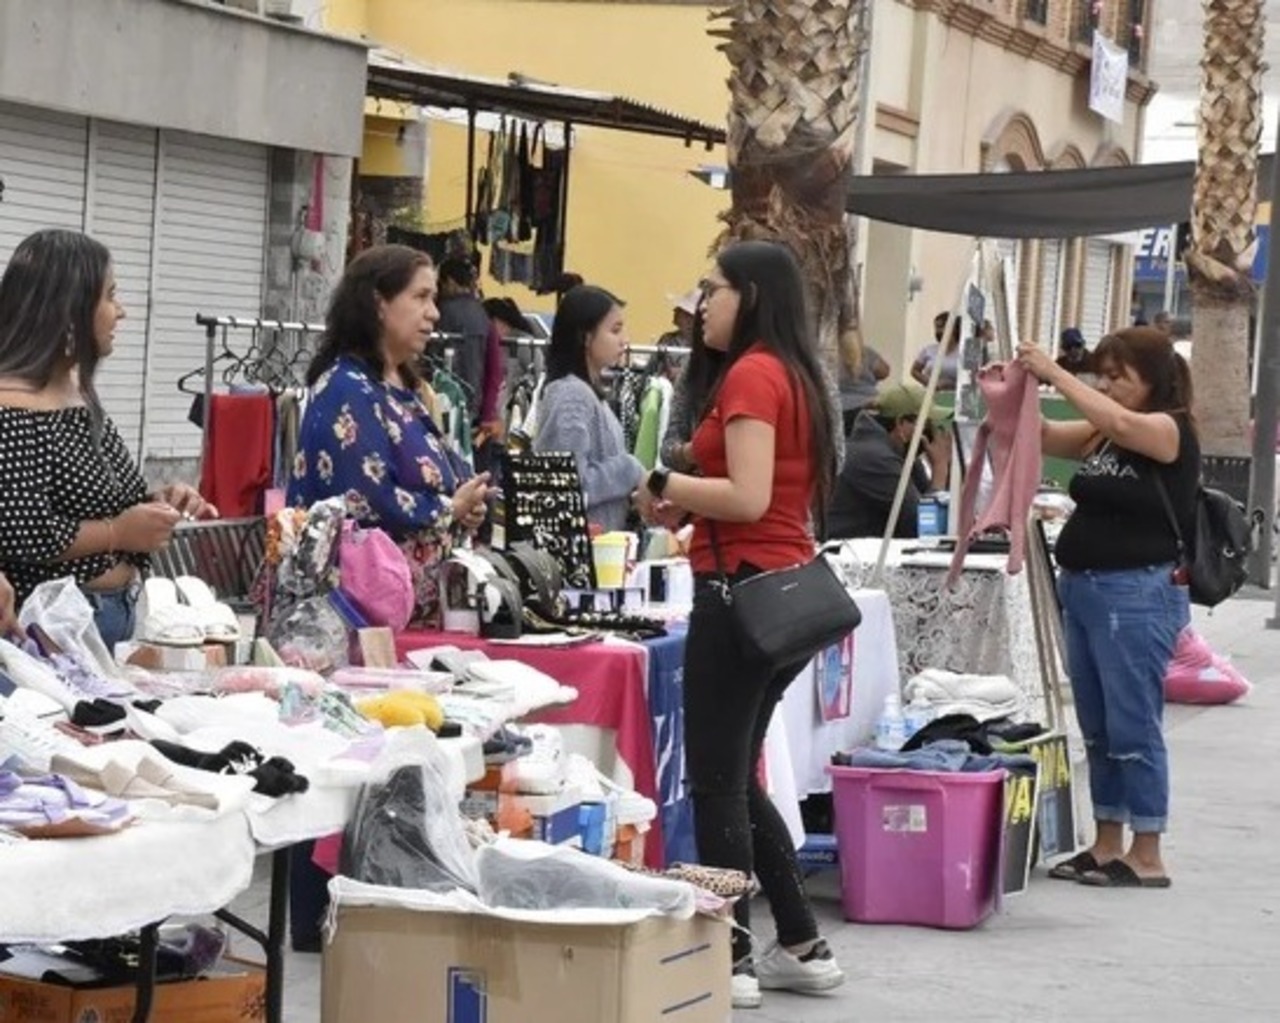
[728, 703]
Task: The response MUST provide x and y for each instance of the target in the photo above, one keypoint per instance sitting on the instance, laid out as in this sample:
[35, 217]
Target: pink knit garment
[1011, 430]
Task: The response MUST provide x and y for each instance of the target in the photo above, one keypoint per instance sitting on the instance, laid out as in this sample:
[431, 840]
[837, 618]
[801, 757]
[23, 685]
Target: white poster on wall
[1108, 78]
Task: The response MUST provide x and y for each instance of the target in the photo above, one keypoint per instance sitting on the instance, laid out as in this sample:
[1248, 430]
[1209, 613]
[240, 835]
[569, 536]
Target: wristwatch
[658, 481]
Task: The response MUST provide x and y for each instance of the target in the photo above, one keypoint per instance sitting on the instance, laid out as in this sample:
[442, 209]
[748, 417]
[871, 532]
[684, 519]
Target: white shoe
[162, 620]
[30, 744]
[219, 622]
[779, 970]
[744, 990]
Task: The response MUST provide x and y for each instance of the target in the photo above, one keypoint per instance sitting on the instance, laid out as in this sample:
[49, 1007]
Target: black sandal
[1118, 874]
[1076, 867]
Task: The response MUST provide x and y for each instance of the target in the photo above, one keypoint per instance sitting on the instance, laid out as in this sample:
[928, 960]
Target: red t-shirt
[758, 386]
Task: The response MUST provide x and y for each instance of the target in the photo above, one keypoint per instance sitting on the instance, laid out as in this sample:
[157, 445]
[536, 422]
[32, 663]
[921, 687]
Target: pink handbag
[374, 575]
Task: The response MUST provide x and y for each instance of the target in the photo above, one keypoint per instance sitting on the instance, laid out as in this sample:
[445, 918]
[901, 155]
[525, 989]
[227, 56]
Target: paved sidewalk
[1204, 950]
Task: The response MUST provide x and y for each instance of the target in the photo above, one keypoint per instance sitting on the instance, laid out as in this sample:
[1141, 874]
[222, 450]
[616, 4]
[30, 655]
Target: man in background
[684, 310]
[874, 457]
[1073, 355]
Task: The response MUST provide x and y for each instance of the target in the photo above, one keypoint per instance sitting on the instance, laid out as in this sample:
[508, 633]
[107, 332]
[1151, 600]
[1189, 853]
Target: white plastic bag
[64, 614]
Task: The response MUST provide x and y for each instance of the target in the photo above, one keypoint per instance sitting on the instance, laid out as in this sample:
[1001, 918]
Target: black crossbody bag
[788, 616]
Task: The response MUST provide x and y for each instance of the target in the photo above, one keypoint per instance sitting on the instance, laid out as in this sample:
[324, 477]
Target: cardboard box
[235, 994]
[406, 966]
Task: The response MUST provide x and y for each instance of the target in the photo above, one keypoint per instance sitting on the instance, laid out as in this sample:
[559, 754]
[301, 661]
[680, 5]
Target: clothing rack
[528, 341]
[213, 324]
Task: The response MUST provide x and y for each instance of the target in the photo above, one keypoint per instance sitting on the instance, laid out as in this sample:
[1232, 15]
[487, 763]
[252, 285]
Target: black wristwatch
[658, 481]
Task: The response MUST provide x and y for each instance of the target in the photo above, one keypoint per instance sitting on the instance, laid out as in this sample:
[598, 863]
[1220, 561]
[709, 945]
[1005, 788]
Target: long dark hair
[351, 327]
[701, 373]
[1149, 352]
[49, 298]
[773, 311]
[578, 316]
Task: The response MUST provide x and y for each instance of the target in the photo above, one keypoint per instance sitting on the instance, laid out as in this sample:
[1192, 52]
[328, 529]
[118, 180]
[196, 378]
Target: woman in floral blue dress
[367, 436]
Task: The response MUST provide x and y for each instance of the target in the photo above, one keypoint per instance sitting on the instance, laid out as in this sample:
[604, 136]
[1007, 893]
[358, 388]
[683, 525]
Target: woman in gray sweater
[588, 337]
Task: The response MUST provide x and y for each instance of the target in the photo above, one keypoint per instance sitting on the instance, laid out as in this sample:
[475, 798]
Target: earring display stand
[543, 505]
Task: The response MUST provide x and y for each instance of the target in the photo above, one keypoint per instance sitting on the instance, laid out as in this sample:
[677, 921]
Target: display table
[983, 626]
[612, 682]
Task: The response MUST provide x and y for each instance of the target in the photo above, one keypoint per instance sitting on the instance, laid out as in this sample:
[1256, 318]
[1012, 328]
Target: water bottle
[919, 713]
[891, 729]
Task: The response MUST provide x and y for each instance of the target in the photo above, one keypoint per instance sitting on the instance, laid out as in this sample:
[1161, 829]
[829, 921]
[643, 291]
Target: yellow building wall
[638, 223]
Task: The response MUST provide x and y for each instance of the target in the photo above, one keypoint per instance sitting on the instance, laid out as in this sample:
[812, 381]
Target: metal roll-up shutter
[210, 258]
[120, 214]
[1050, 290]
[42, 165]
[1095, 298]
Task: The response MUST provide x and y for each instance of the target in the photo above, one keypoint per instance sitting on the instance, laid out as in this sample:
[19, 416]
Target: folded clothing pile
[983, 696]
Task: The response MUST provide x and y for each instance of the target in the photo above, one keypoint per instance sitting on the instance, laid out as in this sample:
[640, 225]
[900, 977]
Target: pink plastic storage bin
[918, 847]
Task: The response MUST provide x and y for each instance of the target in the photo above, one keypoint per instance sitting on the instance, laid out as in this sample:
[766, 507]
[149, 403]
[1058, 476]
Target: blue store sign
[1151, 256]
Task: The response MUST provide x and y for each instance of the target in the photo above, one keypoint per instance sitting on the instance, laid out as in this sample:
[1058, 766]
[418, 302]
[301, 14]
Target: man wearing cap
[876, 453]
[1073, 356]
[684, 310]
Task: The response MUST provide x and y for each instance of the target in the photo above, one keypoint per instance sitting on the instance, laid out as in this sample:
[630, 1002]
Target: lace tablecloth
[983, 625]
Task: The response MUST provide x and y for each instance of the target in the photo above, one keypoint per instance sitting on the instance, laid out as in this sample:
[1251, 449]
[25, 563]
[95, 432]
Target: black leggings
[728, 703]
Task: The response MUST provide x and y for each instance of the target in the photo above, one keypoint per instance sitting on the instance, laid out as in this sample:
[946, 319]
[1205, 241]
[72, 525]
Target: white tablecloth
[68, 889]
[811, 741]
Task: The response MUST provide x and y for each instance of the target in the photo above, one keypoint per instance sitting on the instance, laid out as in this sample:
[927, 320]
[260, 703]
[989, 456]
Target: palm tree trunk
[1224, 209]
[794, 87]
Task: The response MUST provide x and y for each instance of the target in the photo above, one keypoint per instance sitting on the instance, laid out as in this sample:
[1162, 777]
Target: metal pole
[1171, 270]
[471, 168]
[1262, 476]
[564, 197]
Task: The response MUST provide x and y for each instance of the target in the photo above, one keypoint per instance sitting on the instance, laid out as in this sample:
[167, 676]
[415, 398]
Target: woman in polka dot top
[72, 502]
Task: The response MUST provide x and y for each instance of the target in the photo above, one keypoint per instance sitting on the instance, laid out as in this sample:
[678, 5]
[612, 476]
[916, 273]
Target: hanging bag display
[1215, 562]
[789, 615]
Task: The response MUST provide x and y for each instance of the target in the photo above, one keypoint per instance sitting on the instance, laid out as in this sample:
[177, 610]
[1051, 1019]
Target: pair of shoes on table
[815, 972]
[183, 612]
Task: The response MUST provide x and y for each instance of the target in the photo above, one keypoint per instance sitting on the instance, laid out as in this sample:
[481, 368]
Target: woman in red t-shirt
[766, 448]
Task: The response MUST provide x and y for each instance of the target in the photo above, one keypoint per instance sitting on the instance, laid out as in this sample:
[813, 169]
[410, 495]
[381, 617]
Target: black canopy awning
[1036, 204]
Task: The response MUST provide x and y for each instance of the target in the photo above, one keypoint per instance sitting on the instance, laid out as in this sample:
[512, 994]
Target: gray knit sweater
[572, 417]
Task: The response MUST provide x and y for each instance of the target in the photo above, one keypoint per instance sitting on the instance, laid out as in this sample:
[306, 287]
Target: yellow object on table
[403, 708]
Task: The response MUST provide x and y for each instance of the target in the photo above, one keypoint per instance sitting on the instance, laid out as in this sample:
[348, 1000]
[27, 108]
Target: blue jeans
[114, 613]
[1121, 628]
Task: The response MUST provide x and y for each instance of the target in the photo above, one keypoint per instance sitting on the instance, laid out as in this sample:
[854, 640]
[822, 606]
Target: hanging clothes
[237, 466]
[1011, 431]
[655, 414]
[454, 412]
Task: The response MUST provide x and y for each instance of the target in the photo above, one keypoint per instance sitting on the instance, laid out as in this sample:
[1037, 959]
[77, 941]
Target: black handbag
[788, 616]
[1216, 563]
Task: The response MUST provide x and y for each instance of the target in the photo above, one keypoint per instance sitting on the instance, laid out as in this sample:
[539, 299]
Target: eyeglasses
[709, 288]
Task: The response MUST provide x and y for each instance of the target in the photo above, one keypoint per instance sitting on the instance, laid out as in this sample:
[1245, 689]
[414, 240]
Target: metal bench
[228, 554]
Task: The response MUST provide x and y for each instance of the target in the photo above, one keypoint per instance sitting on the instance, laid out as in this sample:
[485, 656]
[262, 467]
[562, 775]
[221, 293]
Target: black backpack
[1221, 546]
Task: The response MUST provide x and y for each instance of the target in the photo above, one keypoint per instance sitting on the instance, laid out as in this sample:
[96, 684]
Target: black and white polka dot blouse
[51, 480]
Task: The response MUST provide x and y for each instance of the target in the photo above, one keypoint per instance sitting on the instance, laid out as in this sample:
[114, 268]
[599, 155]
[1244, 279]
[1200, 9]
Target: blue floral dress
[377, 446]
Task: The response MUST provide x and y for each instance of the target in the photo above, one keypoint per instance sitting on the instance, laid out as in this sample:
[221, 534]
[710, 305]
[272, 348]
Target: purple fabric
[52, 798]
[1012, 431]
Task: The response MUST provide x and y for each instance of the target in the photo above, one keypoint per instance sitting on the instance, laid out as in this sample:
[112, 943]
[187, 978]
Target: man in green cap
[876, 451]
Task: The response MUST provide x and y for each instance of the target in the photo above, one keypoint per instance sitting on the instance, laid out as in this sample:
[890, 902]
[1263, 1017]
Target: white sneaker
[779, 970]
[31, 742]
[744, 990]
